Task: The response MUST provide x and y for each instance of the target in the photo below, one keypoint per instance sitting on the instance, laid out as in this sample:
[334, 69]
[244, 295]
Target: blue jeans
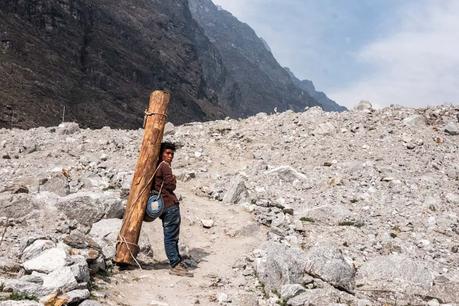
[171, 229]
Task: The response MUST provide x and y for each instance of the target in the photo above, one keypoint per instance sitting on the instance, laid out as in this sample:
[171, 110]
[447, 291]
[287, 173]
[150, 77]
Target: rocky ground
[314, 208]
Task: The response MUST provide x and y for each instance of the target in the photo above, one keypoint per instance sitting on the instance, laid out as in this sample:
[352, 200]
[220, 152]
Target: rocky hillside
[95, 62]
[261, 82]
[99, 60]
[360, 208]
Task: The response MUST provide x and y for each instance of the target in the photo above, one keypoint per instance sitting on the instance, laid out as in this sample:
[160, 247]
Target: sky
[403, 52]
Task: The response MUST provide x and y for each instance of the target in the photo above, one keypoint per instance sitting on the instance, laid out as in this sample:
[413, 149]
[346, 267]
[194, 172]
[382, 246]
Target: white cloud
[418, 65]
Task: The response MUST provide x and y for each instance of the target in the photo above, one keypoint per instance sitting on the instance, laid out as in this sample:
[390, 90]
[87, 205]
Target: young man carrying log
[166, 182]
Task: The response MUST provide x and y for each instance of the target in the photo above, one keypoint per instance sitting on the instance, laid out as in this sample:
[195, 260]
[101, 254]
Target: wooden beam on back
[155, 120]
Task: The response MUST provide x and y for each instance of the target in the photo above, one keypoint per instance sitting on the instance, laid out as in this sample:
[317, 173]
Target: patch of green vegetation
[17, 296]
[357, 224]
[307, 219]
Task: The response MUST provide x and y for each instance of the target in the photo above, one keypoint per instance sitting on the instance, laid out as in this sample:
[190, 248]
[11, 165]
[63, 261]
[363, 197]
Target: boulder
[396, 273]
[105, 233]
[69, 298]
[287, 174]
[324, 129]
[48, 261]
[68, 128]
[452, 128]
[90, 207]
[291, 290]
[15, 206]
[80, 269]
[328, 214]
[36, 248]
[322, 296]
[325, 261]
[236, 191]
[61, 279]
[364, 106]
[280, 265]
[23, 287]
[415, 121]
[57, 184]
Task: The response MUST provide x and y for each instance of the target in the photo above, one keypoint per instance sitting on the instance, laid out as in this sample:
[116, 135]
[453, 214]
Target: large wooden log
[128, 238]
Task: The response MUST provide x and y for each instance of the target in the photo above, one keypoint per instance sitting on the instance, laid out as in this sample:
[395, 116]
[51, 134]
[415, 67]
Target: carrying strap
[149, 181]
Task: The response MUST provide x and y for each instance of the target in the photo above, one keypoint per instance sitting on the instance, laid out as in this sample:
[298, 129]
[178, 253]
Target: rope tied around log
[147, 113]
[123, 240]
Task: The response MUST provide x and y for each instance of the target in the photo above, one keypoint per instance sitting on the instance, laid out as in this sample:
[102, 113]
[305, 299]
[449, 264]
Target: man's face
[168, 156]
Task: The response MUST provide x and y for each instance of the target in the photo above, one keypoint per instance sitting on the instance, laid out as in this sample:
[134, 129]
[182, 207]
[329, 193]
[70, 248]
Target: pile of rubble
[361, 206]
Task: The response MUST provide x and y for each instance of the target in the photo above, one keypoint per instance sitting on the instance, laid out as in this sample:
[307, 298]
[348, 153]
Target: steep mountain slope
[307, 85]
[95, 62]
[100, 60]
[262, 82]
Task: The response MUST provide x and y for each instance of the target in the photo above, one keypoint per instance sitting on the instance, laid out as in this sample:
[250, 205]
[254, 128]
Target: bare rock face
[103, 59]
[251, 70]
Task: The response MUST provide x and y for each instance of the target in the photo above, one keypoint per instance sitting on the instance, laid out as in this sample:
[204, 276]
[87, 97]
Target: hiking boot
[180, 270]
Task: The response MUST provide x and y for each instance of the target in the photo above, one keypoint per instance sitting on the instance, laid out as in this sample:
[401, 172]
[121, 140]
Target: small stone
[223, 298]
[452, 128]
[207, 223]
[291, 290]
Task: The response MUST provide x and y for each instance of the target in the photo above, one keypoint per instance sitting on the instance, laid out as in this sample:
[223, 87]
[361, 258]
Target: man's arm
[170, 183]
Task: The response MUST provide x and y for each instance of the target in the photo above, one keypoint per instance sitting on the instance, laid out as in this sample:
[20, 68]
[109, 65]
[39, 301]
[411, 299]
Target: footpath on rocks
[311, 208]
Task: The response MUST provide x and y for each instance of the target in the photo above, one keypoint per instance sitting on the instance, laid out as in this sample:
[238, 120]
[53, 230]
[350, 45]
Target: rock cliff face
[99, 59]
[325, 102]
[95, 62]
[261, 82]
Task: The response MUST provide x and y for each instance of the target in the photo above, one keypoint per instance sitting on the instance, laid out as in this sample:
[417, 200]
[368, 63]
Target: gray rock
[287, 174]
[68, 128]
[452, 128]
[57, 184]
[36, 248]
[62, 279]
[321, 296]
[396, 273]
[23, 287]
[15, 206]
[236, 192]
[19, 303]
[328, 214]
[324, 129]
[364, 106]
[447, 292]
[105, 233]
[280, 265]
[90, 207]
[90, 303]
[76, 296]
[48, 261]
[415, 121]
[80, 269]
[291, 290]
[325, 261]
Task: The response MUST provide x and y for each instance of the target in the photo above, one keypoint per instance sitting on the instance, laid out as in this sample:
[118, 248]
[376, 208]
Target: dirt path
[216, 250]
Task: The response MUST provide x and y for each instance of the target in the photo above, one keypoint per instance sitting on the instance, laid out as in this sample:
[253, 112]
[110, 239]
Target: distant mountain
[263, 83]
[307, 85]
